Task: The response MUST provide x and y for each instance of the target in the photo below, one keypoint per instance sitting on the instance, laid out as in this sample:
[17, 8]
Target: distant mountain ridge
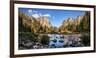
[42, 23]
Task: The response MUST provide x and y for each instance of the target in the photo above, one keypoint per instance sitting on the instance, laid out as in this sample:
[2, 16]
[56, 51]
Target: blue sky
[56, 17]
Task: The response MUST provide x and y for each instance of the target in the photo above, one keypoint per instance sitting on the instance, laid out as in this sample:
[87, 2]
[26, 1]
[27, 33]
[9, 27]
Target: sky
[56, 17]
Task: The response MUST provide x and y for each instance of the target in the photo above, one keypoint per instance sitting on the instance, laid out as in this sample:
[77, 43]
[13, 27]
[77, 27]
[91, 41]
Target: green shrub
[28, 35]
[44, 40]
[86, 40]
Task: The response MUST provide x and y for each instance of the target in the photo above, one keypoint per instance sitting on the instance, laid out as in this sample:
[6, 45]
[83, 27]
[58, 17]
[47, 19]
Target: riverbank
[39, 41]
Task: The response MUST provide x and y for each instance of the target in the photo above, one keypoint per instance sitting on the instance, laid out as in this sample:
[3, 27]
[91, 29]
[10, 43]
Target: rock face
[34, 22]
[71, 21]
[67, 22]
[44, 21]
[70, 25]
[78, 20]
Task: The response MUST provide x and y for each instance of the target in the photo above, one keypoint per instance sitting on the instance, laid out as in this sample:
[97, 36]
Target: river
[57, 40]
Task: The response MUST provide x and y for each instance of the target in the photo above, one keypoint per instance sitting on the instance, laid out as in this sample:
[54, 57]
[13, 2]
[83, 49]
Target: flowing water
[57, 40]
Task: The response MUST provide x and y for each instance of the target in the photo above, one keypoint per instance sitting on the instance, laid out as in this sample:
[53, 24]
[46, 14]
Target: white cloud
[35, 11]
[47, 15]
[36, 15]
[30, 11]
